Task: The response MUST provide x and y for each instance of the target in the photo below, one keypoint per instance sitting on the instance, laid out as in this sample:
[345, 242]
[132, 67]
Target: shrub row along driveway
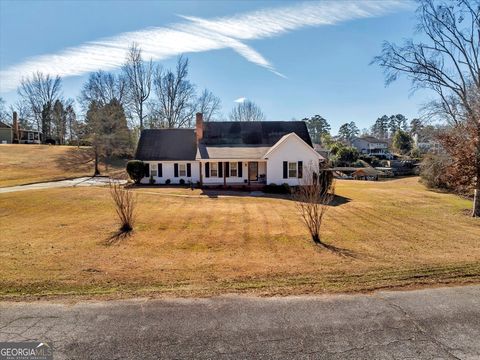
[426, 324]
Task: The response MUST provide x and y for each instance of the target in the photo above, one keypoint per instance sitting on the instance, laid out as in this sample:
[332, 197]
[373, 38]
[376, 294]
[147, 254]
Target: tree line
[150, 97]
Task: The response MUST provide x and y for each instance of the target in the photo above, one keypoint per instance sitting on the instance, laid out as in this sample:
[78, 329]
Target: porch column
[201, 173]
[224, 174]
[248, 172]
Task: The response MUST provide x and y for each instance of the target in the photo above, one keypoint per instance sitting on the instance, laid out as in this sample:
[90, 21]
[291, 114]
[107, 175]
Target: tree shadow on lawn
[214, 194]
[346, 253]
[80, 159]
[117, 237]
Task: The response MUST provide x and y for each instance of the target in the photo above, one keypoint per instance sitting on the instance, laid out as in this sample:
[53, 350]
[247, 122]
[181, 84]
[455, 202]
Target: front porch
[233, 174]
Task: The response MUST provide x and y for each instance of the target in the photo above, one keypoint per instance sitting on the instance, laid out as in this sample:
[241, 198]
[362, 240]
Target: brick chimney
[16, 130]
[199, 126]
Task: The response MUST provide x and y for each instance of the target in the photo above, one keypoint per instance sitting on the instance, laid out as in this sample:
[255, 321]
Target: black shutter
[207, 169]
[285, 169]
[240, 169]
[146, 169]
[160, 170]
[220, 170]
[175, 170]
[227, 169]
[189, 170]
[300, 169]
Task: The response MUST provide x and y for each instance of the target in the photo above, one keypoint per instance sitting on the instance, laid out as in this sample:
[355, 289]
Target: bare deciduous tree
[3, 111]
[125, 207]
[40, 91]
[209, 105]
[175, 106]
[312, 199]
[102, 87]
[138, 74]
[247, 111]
[448, 62]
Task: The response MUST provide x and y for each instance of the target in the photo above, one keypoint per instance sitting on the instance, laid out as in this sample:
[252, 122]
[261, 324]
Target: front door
[253, 171]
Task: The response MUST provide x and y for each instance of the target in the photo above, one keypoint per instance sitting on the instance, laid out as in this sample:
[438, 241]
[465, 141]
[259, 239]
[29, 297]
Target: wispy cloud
[194, 34]
[240, 100]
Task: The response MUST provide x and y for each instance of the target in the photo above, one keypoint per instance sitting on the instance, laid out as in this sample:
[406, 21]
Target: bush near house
[136, 170]
[277, 189]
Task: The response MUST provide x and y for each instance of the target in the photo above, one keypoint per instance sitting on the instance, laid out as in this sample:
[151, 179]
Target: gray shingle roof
[167, 144]
[264, 133]
[221, 140]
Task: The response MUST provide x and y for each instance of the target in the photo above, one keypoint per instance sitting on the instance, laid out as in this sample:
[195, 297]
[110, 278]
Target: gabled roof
[252, 133]
[221, 140]
[167, 144]
[283, 139]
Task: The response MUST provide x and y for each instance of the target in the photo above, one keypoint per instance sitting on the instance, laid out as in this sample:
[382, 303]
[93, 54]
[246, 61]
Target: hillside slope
[24, 164]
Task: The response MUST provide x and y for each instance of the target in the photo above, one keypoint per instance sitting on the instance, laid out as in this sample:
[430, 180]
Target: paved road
[425, 324]
[82, 181]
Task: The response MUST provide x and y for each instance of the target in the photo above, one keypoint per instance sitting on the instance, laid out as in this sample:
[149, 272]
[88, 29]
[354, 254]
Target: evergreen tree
[107, 131]
[317, 127]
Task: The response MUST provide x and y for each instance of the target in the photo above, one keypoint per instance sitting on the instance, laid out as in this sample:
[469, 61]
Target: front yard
[53, 243]
[24, 164]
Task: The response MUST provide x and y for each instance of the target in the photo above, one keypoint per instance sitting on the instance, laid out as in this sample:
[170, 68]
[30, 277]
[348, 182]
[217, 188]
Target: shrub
[167, 182]
[324, 181]
[125, 202]
[199, 184]
[136, 170]
[277, 189]
[182, 182]
[434, 171]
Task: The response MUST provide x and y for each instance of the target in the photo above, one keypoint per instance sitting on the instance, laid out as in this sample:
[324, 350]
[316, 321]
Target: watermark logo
[31, 350]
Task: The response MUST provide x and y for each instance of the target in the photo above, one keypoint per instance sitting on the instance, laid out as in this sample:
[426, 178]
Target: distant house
[6, 134]
[13, 134]
[324, 152]
[372, 146]
[228, 153]
[427, 144]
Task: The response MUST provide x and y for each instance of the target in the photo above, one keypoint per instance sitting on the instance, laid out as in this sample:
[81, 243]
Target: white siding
[292, 149]
[168, 172]
[230, 179]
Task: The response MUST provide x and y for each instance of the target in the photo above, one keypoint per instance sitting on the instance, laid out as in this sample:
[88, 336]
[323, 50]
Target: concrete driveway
[82, 181]
[425, 324]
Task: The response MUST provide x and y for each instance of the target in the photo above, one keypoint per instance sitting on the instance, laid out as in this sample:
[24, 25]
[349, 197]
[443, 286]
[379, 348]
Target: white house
[371, 146]
[228, 153]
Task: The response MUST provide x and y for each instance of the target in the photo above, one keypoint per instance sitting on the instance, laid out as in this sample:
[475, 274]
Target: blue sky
[293, 59]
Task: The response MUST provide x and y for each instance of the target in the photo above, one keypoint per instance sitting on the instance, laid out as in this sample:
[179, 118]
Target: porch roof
[231, 152]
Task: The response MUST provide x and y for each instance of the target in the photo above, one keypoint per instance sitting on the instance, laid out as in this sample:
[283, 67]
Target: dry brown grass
[24, 164]
[401, 234]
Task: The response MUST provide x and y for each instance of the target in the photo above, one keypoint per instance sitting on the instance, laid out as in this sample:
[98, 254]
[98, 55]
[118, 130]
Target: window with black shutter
[189, 170]
[220, 170]
[207, 169]
[160, 170]
[227, 169]
[240, 172]
[147, 169]
[175, 170]
[300, 169]
[285, 169]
